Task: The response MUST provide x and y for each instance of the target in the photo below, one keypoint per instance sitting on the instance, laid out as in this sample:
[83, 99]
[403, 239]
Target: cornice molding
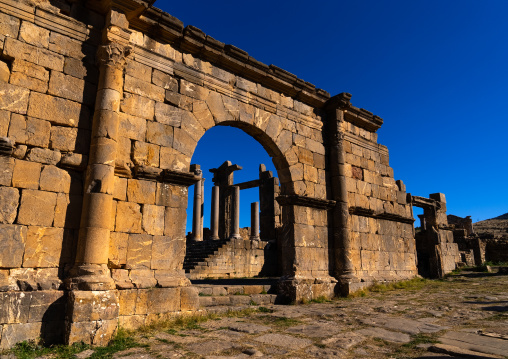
[303, 201]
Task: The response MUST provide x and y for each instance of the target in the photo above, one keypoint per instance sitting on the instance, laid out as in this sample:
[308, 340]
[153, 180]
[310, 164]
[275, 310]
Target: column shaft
[214, 218]
[196, 218]
[235, 230]
[254, 221]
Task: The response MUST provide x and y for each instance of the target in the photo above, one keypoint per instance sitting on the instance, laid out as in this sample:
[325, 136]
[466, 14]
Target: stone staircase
[197, 252]
[219, 295]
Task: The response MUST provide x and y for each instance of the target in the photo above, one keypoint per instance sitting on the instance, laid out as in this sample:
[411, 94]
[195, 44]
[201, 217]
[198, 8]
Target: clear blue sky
[435, 71]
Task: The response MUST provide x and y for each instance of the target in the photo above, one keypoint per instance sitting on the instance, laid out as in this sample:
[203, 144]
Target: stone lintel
[303, 201]
[422, 202]
[365, 212]
[248, 184]
[357, 116]
[179, 178]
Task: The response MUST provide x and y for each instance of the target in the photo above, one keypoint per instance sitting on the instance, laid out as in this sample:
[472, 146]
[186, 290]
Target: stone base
[96, 277]
[92, 317]
[296, 289]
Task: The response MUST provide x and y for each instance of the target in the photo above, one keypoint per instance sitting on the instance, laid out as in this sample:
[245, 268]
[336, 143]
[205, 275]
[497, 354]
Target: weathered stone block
[145, 154]
[192, 90]
[118, 248]
[71, 88]
[31, 70]
[14, 98]
[159, 134]
[44, 155]
[26, 174]
[63, 138]
[69, 47]
[43, 247]
[6, 170]
[54, 179]
[47, 304]
[167, 253]
[140, 191]
[128, 217]
[93, 333]
[138, 70]
[22, 51]
[163, 300]
[81, 70]
[28, 82]
[164, 80]
[138, 106]
[127, 300]
[120, 191]
[34, 35]
[12, 245]
[121, 278]
[171, 195]
[183, 142]
[88, 306]
[143, 88]
[153, 219]
[143, 278]
[132, 127]
[174, 222]
[37, 208]
[9, 26]
[174, 159]
[9, 205]
[58, 111]
[15, 333]
[139, 251]
[5, 119]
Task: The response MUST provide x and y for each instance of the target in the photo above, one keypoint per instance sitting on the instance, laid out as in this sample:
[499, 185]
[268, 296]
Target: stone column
[254, 221]
[235, 223]
[201, 208]
[341, 240]
[90, 271]
[196, 218]
[214, 217]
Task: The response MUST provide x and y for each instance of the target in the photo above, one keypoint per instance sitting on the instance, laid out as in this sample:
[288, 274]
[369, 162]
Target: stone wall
[383, 246]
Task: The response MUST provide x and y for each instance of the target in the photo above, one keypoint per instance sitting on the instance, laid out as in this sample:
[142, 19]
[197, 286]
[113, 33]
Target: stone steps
[233, 293]
[197, 252]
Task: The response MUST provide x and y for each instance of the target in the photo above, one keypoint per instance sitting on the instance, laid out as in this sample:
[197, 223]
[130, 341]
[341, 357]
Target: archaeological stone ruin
[102, 104]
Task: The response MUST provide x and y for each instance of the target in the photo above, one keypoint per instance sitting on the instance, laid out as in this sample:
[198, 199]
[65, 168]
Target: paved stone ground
[464, 316]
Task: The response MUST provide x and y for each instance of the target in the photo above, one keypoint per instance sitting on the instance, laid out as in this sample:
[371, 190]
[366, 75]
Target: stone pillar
[341, 241]
[254, 221]
[270, 210]
[90, 271]
[214, 217]
[235, 221]
[196, 214]
[202, 211]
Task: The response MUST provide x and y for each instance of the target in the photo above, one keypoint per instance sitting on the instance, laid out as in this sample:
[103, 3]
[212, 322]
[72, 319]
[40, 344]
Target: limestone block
[142, 302]
[74, 160]
[192, 90]
[120, 191]
[17, 128]
[13, 98]
[43, 247]
[132, 127]
[15, 333]
[97, 333]
[310, 173]
[168, 115]
[159, 134]
[37, 132]
[143, 88]
[30, 69]
[7, 283]
[145, 154]
[171, 195]
[139, 251]
[37, 208]
[30, 83]
[179, 100]
[127, 300]
[174, 222]
[63, 138]
[42, 57]
[123, 152]
[26, 174]
[69, 47]
[192, 126]
[9, 204]
[163, 300]
[297, 172]
[6, 170]
[44, 155]
[183, 142]
[12, 245]
[9, 26]
[93, 305]
[118, 249]
[138, 106]
[164, 80]
[128, 217]
[68, 211]
[131, 322]
[140, 191]
[54, 179]
[138, 70]
[121, 278]
[167, 253]
[217, 108]
[5, 119]
[71, 88]
[47, 304]
[153, 219]
[143, 278]
[174, 159]
[80, 69]
[58, 111]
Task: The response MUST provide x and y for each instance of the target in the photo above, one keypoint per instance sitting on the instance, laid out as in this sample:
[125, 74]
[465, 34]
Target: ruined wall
[48, 83]
[383, 246]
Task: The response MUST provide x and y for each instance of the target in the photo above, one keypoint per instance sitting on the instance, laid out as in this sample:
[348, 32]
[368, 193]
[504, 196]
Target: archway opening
[228, 157]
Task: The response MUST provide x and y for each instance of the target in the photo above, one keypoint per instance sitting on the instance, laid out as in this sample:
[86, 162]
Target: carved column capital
[113, 54]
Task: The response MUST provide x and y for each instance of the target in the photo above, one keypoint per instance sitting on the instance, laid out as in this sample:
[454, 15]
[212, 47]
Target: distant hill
[503, 216]
[494, 228]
